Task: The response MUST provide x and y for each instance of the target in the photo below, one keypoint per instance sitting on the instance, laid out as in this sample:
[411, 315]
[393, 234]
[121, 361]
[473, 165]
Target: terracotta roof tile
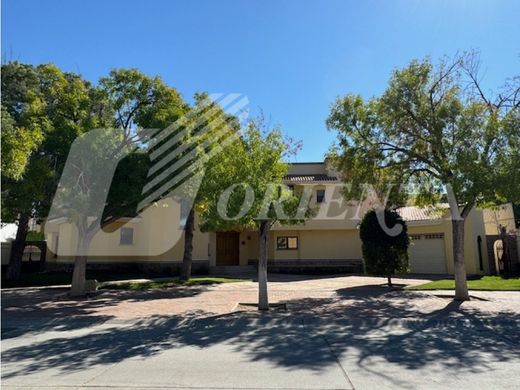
[309, 178]
[413, 213]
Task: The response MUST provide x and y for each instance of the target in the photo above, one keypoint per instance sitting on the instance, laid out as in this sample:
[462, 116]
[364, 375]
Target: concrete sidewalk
[251, 351]
[338, 333]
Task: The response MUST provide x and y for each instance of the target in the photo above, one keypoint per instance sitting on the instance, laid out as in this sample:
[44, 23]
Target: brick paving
[338, 333]
[345, 296]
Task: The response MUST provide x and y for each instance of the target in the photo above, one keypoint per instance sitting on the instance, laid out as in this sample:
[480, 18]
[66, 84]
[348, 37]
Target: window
[433, 236]
[320, 196]
[127, 236]
[283, 243]
[415, 237]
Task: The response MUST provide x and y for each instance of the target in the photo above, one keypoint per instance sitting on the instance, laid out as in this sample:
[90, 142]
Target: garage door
[427, 254]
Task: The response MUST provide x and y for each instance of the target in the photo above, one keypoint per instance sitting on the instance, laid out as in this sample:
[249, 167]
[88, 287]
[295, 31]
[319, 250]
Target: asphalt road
[274, 351]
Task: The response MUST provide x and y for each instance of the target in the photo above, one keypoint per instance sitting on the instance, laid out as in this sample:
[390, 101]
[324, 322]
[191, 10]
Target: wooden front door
[227, 248]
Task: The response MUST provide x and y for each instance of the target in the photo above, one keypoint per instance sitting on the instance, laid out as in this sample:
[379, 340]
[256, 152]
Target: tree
[23, 117]
[209, 130]
[17, 145]
[384, 253]
[243, 190]
[437, 131]
[135, 103]
[22, 133]
[46, 108]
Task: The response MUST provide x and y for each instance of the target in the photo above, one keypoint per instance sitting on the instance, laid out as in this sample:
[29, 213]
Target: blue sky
[292, 58]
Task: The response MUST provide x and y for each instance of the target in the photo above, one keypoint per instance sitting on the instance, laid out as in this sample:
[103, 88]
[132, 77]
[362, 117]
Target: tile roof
[413, 213]
[309, 178]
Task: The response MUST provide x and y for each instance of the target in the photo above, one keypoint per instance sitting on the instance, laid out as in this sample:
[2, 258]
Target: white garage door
[427, 254]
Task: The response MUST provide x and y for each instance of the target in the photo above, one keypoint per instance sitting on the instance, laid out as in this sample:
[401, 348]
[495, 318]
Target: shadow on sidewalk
[362, 322]
[38, 310]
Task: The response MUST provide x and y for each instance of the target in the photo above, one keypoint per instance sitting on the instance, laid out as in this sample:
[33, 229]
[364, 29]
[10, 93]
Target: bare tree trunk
[263, 235]
[389, 278]
[459, 270]
[187, 258]
[80, 260]
[15, 260]
[79, 276]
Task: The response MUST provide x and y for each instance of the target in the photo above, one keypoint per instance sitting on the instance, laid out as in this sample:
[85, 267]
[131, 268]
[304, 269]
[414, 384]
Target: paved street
[338, 333]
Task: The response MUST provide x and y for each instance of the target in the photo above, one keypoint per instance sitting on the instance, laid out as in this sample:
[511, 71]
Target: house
[502, 215]
[32, 252]
[7, 235]
[495, 219]
[328, 242]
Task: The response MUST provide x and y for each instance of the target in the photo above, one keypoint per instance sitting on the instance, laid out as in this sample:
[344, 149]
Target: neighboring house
[494, 219]
[7, 234]
[500, 216]
[8, 231]
[328, 242]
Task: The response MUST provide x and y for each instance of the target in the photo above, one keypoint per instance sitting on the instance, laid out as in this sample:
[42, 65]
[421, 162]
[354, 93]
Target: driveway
[338, 333]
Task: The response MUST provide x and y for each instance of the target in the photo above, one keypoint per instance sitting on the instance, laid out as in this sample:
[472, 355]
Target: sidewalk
[339, 333]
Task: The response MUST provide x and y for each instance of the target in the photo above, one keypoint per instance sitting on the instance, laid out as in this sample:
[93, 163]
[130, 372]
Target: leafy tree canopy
[383, 253]
[432, 127]
[248, 168]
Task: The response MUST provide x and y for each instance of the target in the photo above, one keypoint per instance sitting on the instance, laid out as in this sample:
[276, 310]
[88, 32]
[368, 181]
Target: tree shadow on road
[373, 323]
[359, 324]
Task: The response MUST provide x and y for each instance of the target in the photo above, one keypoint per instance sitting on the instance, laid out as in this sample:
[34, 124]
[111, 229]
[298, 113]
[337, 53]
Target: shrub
[35, 236]
[384, 254]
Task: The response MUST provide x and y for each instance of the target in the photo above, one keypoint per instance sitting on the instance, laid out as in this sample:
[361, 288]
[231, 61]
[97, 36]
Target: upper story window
[320, 196]
[127, 236]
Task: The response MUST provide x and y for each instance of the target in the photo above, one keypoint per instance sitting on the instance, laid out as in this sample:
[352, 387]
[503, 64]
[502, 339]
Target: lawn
[147, 285]
[63, 278]
[106, 280]
[488, 283]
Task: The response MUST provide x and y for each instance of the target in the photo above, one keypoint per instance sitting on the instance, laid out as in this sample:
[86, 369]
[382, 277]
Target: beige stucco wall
[312, 245]
[345, 243]
[500, 215]
[474, 227]
[158, 236]
[329, 244]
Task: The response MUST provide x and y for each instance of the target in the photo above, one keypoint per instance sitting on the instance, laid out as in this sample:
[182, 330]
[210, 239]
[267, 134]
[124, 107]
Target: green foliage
[17, 145]
[254, 161]
[127, 102]
[139, 100]
[432, 127]
[31, 194]
[107, 280]
[383, 253]
[23, 117]
[357, 157]
[35, 236]
[44, 110]
[486, 283]
[124, 195]
[171, 283]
